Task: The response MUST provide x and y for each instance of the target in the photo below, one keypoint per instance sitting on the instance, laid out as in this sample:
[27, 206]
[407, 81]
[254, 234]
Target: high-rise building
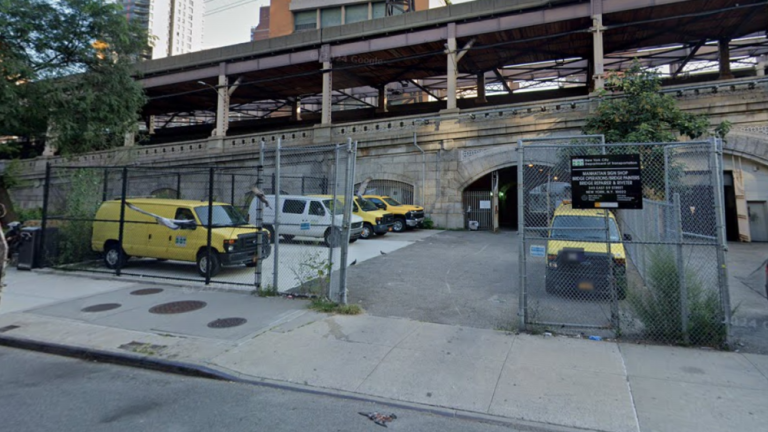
[290, 16]
[174, 26]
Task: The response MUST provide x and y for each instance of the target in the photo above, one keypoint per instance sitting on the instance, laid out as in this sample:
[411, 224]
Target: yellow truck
[170, 229]
[375, 221]
[406, 216]
[577, 252]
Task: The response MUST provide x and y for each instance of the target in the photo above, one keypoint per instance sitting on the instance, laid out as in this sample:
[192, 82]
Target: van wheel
[202, 263]
[114, 256]
[367, 231]
[287, 237]
[399, 225]
[332, 237]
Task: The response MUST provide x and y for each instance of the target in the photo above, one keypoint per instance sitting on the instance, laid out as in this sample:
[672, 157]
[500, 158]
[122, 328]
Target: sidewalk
[558, 381]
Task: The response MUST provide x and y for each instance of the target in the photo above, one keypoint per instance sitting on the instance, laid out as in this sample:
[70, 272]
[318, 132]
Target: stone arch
[478, 164]
[751, 143]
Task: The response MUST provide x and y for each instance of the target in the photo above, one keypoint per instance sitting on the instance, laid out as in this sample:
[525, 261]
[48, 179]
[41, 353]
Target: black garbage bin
[28, 249]
[32, 254]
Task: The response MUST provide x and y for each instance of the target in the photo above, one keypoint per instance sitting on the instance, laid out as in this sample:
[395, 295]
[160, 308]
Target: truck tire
[202, 263]
[367, 231]
[399, 225]
[114, 256]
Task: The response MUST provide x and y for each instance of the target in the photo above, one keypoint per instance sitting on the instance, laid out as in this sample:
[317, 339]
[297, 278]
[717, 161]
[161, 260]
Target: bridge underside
[527, 45]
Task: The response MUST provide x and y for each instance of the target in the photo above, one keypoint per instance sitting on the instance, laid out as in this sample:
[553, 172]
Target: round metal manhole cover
[147, 291]
[227, 322]
[101, 307]
[177, 307]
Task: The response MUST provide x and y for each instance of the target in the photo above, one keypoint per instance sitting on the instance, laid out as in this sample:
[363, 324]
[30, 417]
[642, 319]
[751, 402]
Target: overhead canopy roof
[411, 46]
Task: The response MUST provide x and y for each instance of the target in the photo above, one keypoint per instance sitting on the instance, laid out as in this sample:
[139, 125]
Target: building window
[305, 20]
[330, 17]
[379, 9]
[355, 13]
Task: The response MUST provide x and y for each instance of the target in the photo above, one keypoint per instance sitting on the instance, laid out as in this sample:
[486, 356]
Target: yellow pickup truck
[375, 221]
[406, 216]
[175, 230]
[577, 252]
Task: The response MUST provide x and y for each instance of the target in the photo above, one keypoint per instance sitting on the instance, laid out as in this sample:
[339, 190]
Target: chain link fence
[278, 224]
[656, 273]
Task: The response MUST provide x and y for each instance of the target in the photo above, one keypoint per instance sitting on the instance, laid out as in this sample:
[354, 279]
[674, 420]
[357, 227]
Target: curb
[198, 371]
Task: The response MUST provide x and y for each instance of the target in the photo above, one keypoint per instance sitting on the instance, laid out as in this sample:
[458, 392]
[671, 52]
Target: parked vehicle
[577, 252]
[170, 229]
[375, 221]
[544, 199]
[307, 217]
[406, 216]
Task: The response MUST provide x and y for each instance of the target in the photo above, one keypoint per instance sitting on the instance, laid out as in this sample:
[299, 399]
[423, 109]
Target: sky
[233, 26]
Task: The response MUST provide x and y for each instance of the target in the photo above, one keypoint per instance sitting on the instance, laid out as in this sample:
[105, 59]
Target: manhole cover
[177, 307]
[147, 291]
[227, 322]
[101, 307]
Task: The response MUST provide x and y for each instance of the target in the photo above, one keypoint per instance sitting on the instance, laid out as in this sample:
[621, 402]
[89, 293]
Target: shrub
[658, 307]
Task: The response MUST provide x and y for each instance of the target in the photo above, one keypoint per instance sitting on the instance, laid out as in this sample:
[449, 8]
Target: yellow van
[577, 252]
[172, 229]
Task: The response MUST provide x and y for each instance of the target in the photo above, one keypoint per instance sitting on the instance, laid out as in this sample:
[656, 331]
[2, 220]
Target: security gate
[656, 272]
[477, 207]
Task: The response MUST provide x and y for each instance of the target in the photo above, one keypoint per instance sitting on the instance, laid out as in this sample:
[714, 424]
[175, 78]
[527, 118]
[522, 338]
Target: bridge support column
[760, 66]
[383, 101]
[222, 104]
[296, 109]
[598, 71]
[325, 118]
[452, 67]
[725, 59]
[481, 89]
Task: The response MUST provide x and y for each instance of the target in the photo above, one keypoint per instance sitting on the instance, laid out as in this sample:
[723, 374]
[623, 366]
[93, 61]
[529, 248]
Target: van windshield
[582, 228]
[334, 206]
[223, 215]
[366, 205]
[391, 201]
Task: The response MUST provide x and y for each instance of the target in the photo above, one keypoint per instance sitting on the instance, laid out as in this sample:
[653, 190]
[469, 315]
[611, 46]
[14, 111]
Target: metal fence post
[349, 178]
[666, 174]
[259, 221]
[725, 299]
[104, 191]
[612, 276]
[122, 222]
[209, 252]
[677, 212]
[44, 221]
[276, 224]
[522, 302]
[232, 191]
[333, 217]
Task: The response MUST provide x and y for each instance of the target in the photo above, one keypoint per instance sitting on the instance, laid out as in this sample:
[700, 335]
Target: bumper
[414, 222]
[579, 279]
[355, 233]
[244, 257]
[382, 228]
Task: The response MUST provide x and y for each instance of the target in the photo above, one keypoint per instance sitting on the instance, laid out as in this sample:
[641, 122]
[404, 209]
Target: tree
[66, 71]
[644, 114]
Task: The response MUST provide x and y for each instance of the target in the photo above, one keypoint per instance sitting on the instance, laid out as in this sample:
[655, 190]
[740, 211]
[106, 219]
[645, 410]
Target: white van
[306, 217]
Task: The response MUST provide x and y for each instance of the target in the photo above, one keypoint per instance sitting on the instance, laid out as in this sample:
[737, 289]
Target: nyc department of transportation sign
[606, 181]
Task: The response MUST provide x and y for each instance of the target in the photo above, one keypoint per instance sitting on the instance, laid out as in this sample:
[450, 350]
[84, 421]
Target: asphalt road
[40, 392]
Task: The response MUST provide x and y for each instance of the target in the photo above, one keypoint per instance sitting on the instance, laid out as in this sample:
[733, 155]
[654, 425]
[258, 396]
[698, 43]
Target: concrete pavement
[551, 381]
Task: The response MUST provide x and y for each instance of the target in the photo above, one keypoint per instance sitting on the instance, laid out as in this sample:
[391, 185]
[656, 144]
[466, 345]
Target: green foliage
[313, 274]
[68, 64]
[83, 200]
[644, 114]
[10, 177]
[428, 223]
[327, 306]
[267, 291]
[658, 307]
[33, 214]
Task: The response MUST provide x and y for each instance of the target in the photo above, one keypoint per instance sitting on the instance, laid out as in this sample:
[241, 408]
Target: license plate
[573, 256]
[586, 286]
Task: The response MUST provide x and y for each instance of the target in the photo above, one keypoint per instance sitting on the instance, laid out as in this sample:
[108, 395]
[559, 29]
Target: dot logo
[577, 162]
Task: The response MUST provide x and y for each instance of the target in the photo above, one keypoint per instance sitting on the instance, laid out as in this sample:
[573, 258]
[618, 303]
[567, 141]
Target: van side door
[182, 244]
[293, 218]
[319, 219]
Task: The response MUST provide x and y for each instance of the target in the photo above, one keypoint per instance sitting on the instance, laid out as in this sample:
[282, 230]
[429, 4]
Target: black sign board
[606, 181]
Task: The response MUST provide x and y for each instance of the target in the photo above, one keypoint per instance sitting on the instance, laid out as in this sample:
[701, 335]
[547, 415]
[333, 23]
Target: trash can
[30, 243]
[32, 253]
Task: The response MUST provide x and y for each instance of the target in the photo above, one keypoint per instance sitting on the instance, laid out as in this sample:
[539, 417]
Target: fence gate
[477, 207]
[654, 273]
